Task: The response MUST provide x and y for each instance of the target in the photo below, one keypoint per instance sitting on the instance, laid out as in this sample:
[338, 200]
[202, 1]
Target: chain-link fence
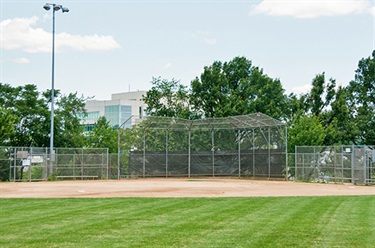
[354, 164]
[250, 145]
[35, 164]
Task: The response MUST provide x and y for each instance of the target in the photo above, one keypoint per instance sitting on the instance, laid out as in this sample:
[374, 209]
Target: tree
[31, 116]
[30, 113]
[320, 97]
[338, 129]
[67, 121]
[103, 136]
[236, 88]
[361, 97]
[328, 105]
[7, 123]
[168, 99]
[305, 130]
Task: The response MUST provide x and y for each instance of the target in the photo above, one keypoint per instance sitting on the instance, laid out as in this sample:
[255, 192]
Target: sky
[105, 47]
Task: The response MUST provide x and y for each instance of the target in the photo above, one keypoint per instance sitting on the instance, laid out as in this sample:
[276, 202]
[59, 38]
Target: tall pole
[52, 158]
[55, 7]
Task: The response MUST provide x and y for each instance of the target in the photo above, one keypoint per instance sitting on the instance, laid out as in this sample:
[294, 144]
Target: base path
[187, 187]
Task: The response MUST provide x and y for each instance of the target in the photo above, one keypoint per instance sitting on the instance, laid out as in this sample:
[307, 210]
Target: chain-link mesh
[252, 145]
[34, 164]
[354, 164]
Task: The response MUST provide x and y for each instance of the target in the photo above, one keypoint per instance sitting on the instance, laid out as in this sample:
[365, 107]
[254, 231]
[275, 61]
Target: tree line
[327, 115]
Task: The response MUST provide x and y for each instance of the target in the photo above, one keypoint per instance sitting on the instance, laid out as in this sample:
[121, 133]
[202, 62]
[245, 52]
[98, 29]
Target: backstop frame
[256, 136]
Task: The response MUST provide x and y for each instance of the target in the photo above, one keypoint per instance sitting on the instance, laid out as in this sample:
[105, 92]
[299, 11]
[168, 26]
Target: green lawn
[338, 221]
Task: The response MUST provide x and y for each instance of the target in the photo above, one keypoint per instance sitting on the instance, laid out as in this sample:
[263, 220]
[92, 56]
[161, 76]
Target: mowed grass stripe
[339, 221]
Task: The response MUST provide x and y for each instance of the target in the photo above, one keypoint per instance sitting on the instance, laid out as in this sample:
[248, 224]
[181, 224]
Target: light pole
[55, 7]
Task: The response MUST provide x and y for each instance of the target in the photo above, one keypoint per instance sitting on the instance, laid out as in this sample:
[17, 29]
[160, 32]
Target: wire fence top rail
[255, 120]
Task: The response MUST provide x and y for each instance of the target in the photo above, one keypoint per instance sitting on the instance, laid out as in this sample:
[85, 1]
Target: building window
[89, 127]
[111, 113]
[126, 113]
[90, 116]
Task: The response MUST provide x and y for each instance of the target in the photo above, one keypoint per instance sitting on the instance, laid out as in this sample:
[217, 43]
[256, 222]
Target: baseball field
[186, 213]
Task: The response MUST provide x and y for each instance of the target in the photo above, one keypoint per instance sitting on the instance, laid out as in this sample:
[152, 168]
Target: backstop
[252, 145]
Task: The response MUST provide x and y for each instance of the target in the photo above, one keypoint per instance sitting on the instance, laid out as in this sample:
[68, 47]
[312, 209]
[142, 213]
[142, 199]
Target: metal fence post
[239, 153]
[144, 153]
[189, 153]
[213, 152]
[286, 156]
[253, 142]
[269, 153]
[107, 164]
[166, 153]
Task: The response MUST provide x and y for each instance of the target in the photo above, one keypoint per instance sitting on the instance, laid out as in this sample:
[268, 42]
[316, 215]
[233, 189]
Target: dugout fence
[352, 164]
[36, 164]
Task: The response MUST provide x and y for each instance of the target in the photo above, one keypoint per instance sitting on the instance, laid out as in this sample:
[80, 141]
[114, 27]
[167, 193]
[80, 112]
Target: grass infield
[334, 221]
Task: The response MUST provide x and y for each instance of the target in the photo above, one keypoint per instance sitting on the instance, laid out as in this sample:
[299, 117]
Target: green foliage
[362, 101]
[168, 99]
[339, 130]
[342, 115]
[103, 136]
[321, 94]
[236, 88]
[7, 125]
[4, 165]
[305, 130]
[30, 113]
[332, 114]
[67, 121]
[27, 116]
[332, 221]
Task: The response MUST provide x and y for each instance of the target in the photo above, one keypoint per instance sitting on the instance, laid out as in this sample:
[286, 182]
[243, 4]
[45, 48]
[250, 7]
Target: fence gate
[27, 163]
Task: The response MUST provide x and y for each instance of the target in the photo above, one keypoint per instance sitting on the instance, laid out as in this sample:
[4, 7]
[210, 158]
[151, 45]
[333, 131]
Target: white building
[123, 110]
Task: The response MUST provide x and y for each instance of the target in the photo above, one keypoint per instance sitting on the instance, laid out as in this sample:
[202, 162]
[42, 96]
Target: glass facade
[93, 116]
[111, 113]
[126, 113]
[117, 115]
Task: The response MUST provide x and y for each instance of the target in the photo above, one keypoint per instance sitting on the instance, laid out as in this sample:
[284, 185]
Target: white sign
[37, 159]
[26, 162]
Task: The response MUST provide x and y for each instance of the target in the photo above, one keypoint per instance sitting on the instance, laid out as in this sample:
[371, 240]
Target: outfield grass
[339, 221]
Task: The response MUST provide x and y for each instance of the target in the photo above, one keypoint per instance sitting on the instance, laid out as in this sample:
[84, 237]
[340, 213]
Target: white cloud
[302, 89]
[209, 41]
[19, 33]
[204, 37]
[167, 66]
[22, 61]
[83, 43]
[312, 8]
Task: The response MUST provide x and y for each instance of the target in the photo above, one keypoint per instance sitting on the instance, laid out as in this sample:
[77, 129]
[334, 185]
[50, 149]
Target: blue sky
[105, 47]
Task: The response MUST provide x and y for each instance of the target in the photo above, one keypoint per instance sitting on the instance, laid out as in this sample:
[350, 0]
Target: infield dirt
[186, 187]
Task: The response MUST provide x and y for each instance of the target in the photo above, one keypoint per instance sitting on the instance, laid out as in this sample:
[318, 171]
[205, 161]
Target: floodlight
[64, 9]
[56, 7]
[47, 7]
